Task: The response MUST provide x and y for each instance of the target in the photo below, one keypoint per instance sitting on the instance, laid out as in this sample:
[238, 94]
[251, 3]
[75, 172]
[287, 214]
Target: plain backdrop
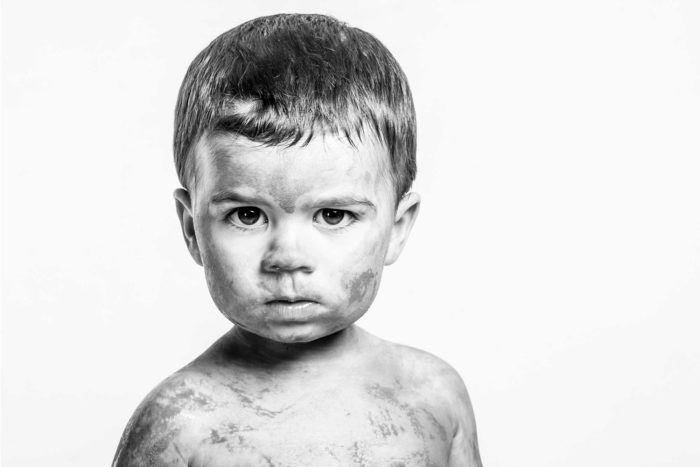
[555, 263]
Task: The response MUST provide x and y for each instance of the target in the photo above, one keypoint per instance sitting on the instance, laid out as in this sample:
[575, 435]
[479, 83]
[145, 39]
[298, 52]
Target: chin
[298, 333]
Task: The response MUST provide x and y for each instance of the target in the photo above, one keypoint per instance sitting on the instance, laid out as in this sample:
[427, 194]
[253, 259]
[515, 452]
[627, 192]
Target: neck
[269, 353]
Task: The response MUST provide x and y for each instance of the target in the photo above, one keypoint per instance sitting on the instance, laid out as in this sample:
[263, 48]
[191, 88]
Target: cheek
[360, 279]
[362, 287]
[227, 266]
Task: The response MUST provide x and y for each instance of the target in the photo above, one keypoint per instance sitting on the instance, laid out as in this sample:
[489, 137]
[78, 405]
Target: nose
[287, 252]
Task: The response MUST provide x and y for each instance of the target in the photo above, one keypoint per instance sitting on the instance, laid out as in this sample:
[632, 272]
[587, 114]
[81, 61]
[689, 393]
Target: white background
[555, 263]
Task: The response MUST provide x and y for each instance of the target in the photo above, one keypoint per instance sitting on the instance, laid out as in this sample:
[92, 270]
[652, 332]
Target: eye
[336, 218]
[247, 217]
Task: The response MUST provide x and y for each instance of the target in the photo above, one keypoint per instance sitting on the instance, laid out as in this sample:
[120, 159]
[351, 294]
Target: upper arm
[152, 436]
[464, 451]
[444, 385]
[150, 439]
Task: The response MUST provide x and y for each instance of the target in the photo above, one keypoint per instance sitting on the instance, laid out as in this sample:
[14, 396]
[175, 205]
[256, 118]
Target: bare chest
[351, 424]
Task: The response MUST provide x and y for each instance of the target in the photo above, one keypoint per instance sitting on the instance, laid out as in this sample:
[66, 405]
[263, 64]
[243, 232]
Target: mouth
[292, 308]
[291, 302]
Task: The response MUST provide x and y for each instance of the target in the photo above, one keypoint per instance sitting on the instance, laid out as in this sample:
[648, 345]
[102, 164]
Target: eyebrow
[344, 201]
[227, 196]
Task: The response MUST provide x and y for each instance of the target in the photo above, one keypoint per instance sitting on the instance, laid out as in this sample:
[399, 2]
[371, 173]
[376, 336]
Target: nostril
[279, 265]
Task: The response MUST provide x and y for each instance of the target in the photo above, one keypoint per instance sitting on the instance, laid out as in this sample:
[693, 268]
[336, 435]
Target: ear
[183, 205]
[406, 213]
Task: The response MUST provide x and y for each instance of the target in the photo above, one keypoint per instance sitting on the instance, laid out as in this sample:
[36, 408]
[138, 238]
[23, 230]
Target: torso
[351, 416]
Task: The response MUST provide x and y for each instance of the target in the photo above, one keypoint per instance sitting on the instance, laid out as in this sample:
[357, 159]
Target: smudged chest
[366, 424]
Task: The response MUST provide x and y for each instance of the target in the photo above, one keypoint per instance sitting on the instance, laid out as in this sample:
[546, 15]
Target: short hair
[281, 79]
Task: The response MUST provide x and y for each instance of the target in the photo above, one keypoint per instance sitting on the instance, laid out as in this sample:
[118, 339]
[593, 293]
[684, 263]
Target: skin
[293, 242]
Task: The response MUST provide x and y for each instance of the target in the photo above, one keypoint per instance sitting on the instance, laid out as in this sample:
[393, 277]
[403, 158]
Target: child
[295, 140]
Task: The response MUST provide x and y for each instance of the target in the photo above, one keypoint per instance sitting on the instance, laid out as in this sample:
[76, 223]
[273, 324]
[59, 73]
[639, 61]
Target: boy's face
[293, 240]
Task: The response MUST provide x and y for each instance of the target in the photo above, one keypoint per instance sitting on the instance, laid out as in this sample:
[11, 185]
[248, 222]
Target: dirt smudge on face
[282, 193]
[361, 284]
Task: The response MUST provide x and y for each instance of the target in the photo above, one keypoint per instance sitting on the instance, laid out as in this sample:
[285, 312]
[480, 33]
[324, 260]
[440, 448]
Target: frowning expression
[293, 239]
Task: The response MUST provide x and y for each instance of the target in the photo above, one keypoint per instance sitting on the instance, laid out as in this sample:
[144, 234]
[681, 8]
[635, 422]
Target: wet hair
[280, 80]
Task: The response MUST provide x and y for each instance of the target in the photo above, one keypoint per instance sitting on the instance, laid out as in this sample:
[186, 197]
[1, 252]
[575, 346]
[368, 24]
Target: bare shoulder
[160, 429]
[432, 374]
[441, 383]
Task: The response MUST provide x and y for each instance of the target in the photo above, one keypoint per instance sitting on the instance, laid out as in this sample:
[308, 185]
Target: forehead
[326, 163]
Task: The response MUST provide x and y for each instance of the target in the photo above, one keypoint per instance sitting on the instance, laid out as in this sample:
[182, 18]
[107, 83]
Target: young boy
[295, 140]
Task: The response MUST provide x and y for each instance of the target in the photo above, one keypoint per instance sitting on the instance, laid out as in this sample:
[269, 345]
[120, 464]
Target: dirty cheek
[362, 286]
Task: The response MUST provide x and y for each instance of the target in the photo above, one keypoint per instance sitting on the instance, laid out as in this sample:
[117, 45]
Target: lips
[285, 301]
[291, 304]
[292, 309]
